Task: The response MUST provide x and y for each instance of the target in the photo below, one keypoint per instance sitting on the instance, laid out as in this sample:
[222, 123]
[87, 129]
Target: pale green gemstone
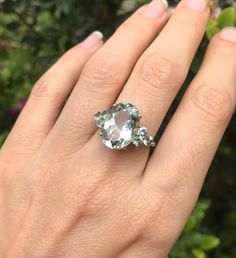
[119, 124]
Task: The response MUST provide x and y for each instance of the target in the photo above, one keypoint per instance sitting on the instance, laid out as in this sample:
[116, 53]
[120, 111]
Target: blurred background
[34, 33]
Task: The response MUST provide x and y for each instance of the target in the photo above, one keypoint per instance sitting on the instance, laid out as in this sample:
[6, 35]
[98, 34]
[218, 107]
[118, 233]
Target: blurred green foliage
[226, 18]
[34, 33]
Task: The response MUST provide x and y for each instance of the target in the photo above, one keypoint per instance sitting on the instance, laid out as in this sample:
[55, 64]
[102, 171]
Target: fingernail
[155, 9]
[196, 5]
[228, 34]
[92, 40]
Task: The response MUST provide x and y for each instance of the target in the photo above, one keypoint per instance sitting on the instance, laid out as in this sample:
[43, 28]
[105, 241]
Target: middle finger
[159, 74]
[163, 68]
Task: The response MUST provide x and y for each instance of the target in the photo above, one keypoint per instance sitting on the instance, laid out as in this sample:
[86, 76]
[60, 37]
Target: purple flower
[15, 111]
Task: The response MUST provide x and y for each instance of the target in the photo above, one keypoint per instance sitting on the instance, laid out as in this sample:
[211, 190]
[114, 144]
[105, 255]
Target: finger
[183, 156]
[48, 97]
[163, 68]
[105, 74]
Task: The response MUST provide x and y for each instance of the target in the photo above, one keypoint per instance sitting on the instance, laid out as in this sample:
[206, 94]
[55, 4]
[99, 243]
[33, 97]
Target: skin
[64, 194]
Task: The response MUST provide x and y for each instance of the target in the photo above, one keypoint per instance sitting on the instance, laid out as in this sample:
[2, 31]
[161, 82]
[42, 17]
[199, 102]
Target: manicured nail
[228, 34]
[155, 9]
[196, 5]
[92, 40]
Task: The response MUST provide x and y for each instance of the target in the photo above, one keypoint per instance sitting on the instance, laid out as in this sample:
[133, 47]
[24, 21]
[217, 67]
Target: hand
[65, 194]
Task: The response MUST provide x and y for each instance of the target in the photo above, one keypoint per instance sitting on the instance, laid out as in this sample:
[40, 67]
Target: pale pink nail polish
[228, 34]
[92, 40]
[196, 5]
[155, 9]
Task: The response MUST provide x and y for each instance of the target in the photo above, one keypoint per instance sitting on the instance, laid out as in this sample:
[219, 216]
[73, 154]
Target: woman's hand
[65, 194]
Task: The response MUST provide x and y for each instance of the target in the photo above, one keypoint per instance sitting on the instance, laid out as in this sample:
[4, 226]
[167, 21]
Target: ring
[120, 127]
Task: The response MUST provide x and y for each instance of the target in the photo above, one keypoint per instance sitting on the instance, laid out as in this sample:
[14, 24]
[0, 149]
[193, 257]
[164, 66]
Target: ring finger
[105, 75]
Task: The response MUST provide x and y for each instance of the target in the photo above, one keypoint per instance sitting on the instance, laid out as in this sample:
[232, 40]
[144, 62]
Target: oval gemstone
[118, 126]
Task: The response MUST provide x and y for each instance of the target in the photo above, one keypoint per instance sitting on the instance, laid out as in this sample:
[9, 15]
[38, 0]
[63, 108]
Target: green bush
[34, 33]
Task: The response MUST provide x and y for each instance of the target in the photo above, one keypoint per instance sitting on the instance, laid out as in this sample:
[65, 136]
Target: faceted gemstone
[99, 118]
[118, 125]
[140, 136]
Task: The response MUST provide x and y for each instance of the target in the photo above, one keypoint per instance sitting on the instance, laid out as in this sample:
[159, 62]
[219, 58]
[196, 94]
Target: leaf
[208, 242]
[198, 212]
[211, 32]
[227, 17]
[211, 23]
[204, 241]
[198, 253]
[212, 28]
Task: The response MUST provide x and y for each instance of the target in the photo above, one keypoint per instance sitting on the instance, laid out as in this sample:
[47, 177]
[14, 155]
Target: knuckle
[212, 104]
[46, 87]
[41, 87]
[101, 73]
[160, 72]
